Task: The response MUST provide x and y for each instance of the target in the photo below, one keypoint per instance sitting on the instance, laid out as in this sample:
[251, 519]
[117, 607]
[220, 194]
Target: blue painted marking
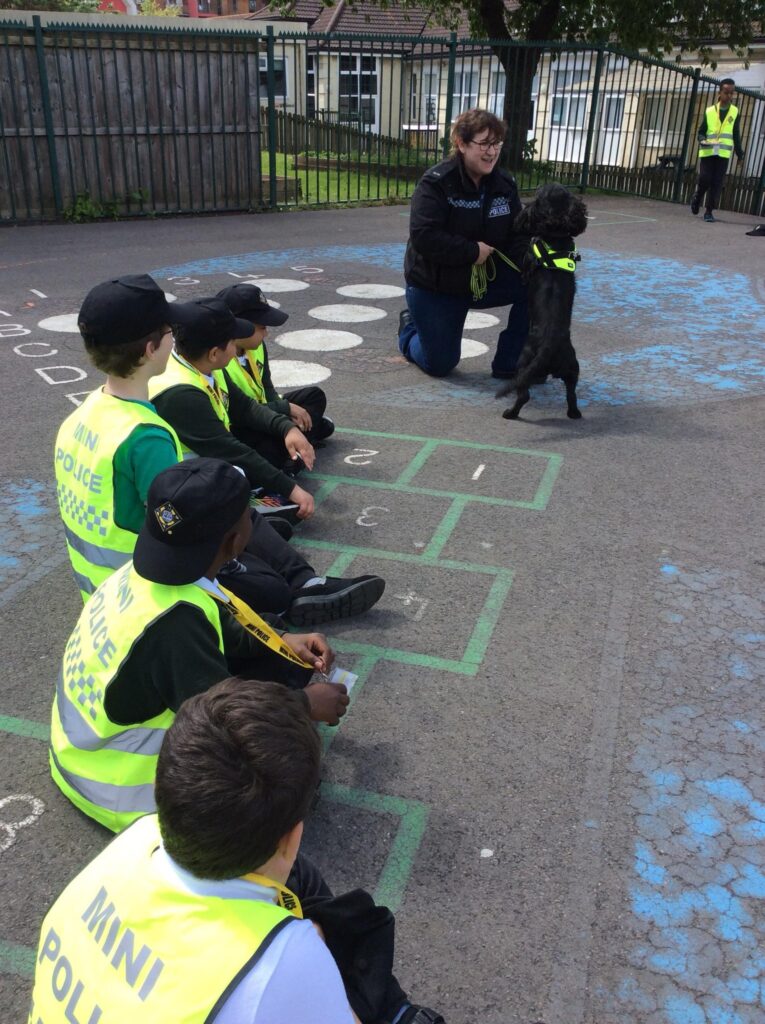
[26, 525]
[670, 570]
[703, 822]
[694, 362]
[684, 1010]
[740, 726]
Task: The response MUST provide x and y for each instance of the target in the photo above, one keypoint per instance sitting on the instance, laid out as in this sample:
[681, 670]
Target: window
[358, 91]
[665, 115]
[653, 115]
[569, 111]
[280, 76]
[310, 85]
[465, 95]
[569, 77]
[613, 112]
[423, 100]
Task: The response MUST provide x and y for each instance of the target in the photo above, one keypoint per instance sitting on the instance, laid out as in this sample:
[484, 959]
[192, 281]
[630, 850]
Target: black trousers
[360, 936]
[274, 571]
[313, 400]
[711, 176]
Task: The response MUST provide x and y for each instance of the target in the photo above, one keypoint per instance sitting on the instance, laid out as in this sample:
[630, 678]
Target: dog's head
[553, 212]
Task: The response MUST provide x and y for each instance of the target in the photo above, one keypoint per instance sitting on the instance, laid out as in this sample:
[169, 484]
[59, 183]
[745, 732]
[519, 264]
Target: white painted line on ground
[474, 321]
[66, 323]
[478, 472]
[470, 348]
[42, 295]
[371, 291]
[347, 314]
[292, 373]
[281, 284]
[486, 853]
[307, 270]
[319, 340]
[3, 313]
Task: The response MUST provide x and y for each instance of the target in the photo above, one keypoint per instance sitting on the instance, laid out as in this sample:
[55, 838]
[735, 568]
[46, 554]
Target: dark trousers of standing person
[433, 338]
[711, 176]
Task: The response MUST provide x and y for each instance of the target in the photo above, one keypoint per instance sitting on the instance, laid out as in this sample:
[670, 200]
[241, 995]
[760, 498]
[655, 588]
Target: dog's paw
[510, 414]
[574, 414]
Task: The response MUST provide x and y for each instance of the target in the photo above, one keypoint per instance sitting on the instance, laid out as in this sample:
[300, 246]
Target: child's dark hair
[237, 771]
[123, 359]
[190, 347]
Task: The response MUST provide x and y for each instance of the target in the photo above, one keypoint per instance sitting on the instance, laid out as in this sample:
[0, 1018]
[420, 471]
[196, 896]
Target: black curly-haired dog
[552, 220]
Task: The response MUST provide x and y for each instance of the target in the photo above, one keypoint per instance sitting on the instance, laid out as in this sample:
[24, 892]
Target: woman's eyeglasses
[486, 146]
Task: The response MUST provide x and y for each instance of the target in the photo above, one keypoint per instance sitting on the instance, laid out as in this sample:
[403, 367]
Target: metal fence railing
[112, 118]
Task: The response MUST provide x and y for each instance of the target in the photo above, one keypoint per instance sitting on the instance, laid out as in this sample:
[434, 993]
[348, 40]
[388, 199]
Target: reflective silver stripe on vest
[190, 455]
[134, 740]
[119, 799]
[105, 558]
[83, 582]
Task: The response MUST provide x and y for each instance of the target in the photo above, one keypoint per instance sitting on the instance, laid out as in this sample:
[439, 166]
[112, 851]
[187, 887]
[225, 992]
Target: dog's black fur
[556, 216]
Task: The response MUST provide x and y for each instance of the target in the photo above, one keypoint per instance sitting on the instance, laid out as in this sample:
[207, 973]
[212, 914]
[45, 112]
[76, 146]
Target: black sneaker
[695, 205]
[335, 599]
[420, 1015]
[325, 429]
[404, 319]
[292, 467]
[709, 217]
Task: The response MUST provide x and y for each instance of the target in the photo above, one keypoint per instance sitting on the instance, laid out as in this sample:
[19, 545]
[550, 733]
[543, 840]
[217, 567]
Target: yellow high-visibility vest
[178, 371]
[719, 140]
[250, 383]
[107, 770]
[84, 466]
[127, 941]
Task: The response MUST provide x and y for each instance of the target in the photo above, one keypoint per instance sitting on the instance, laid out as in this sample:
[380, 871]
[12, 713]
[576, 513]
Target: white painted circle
[67, 323]
[350, 314]
[280, 284]
[475, 321]
[370, 291]
[319, 340]
[470, 349]
[170, 297]
[292, 373]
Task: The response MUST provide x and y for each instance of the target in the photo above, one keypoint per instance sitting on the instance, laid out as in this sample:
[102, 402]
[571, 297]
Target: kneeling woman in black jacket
[462, 211]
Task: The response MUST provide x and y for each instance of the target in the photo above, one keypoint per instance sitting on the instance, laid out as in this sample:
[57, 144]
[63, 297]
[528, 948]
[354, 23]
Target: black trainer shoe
[404, 319]
[335, 599]
[420, 1015]
[292, 467]
[695, 205]
[709, 217]
[325, 429]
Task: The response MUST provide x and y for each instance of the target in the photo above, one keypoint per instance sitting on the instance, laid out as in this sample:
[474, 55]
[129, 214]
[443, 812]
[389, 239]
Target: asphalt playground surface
[553, 764]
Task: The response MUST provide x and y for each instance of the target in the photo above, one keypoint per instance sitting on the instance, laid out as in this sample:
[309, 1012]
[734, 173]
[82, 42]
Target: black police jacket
[449, 216]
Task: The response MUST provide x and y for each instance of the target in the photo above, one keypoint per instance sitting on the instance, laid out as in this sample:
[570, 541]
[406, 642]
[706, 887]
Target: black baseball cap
[209, 323]
[189, 509]
[249, 302]
[124, 309]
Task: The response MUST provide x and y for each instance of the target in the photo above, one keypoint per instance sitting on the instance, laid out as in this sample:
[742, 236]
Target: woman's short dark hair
[472, 123]
[123, 359]
[237, 771]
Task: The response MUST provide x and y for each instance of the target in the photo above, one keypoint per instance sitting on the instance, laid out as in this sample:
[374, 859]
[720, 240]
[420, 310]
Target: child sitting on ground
[250, 370]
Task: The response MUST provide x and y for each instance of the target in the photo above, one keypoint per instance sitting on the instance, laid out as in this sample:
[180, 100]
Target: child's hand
[300, 417]
[328, 702]
[297, 443]
[313, 648]
[304, 502]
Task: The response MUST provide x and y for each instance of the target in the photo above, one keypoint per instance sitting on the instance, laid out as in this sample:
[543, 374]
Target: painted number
[13, 331]
[359, 458]
[412, 600]
[8, 829]
[307, 270]
[365, 520]
[184, 280]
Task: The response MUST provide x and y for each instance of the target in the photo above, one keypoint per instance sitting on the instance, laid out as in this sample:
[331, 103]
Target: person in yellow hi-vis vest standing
[207, 910]
[161, 629]
[719, 136]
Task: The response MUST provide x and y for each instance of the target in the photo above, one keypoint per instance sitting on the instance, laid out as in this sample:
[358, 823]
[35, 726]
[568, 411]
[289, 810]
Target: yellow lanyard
[259, 628]
[253, 365]
[284, 896]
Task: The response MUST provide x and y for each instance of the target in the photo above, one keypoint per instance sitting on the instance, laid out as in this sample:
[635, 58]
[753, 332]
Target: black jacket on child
[449, 216]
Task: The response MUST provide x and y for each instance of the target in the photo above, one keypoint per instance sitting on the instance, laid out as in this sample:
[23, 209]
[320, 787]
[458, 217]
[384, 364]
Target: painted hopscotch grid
[413, 814]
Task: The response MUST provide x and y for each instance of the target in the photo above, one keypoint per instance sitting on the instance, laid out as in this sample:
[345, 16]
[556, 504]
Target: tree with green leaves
[63, 6]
